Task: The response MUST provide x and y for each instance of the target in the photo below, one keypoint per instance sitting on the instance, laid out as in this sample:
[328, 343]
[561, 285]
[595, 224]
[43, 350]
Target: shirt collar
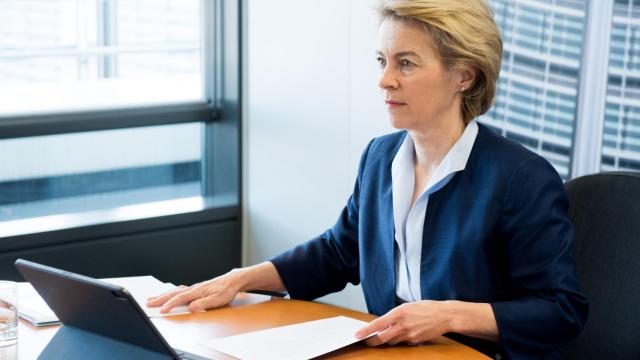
[457, 157]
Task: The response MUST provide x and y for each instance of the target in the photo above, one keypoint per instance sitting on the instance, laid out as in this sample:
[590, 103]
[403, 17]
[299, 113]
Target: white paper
[34, 309]
[300, 341]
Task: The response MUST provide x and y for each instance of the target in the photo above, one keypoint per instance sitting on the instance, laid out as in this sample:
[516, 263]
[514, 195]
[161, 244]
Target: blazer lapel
[387, 235]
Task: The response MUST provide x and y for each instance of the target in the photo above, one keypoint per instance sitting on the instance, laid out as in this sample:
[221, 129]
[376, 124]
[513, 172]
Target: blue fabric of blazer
[497, 233]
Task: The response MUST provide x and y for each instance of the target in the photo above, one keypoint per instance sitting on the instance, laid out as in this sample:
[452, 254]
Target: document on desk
[299, 341]
[143, 287]
[34, 309]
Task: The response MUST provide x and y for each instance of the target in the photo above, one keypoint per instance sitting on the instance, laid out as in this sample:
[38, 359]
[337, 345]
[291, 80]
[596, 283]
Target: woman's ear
[467, 78]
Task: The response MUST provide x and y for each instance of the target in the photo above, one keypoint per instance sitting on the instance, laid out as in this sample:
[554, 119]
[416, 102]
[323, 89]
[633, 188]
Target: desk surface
[250, 312]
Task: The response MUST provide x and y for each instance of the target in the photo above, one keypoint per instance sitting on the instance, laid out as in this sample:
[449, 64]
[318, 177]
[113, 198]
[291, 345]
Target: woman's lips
[394, 104]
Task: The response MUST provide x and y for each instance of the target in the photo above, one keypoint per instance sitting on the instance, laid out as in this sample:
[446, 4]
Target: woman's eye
[381, 62]
[405, 63]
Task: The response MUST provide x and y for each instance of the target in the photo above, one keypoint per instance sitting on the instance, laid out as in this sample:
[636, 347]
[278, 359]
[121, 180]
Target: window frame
[220, 113]
[592, 90]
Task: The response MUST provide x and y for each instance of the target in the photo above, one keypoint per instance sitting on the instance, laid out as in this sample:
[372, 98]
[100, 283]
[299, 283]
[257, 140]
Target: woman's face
[418, 90]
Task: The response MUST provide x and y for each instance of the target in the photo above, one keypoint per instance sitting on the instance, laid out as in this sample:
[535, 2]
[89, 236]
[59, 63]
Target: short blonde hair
[466, 38]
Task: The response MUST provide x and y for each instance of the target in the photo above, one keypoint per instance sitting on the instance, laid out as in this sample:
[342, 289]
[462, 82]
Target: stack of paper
[34, 309]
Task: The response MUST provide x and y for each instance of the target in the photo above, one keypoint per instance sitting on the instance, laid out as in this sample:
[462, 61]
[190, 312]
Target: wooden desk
[250, 312]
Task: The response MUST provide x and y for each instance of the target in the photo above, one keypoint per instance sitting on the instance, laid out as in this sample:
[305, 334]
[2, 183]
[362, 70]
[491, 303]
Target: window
[538, 85]
[558, 106]
[111, 111]
[81, 54]
[98, 170]
[621, 135]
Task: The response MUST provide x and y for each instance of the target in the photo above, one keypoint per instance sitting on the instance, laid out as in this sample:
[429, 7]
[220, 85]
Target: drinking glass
[8, 313]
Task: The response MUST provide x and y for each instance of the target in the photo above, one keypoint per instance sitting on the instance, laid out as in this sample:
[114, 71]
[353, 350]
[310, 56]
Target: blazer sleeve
[548, 311]
[327, 262]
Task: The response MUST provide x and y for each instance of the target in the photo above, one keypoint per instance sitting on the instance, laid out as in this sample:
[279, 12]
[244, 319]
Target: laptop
[100, 320]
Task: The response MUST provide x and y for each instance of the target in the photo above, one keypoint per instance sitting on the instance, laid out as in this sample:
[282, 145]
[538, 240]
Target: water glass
[8, 313]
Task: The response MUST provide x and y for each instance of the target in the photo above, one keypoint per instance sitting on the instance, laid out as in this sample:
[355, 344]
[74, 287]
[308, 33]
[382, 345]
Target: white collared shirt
[409, 220]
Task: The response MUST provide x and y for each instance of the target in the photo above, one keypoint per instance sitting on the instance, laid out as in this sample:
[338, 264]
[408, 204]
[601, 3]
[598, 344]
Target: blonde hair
[466, 38]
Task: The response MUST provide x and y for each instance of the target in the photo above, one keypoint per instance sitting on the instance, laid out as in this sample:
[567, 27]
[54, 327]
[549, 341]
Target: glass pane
[621, 133]
[92, 54]
[538, 85]
[72, 173]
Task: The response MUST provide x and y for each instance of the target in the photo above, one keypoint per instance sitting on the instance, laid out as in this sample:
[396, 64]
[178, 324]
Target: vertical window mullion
[212, 33]
[587, 150]
[107, 37]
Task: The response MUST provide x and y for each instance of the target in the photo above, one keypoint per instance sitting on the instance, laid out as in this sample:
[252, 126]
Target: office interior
[185, 138]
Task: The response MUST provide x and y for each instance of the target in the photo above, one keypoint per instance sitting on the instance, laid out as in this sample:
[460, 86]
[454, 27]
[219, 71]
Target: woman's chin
[398, 123]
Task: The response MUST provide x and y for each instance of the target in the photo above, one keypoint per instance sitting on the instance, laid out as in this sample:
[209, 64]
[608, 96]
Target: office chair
[605, 210]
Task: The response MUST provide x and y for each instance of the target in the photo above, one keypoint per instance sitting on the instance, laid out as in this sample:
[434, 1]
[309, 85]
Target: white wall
[311, 106]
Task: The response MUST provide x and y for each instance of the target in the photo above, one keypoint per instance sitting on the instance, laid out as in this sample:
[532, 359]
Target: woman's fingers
[395, 340]
[209, 302]
[402, 338]
[161, 299]
[186, 297]
[201, 296]
[383, 337]
[376, 325]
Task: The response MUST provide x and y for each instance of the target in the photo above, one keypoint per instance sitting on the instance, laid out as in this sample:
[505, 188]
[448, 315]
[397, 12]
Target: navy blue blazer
[497, 233]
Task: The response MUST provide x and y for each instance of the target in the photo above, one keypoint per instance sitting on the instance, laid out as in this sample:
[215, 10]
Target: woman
[451, 229]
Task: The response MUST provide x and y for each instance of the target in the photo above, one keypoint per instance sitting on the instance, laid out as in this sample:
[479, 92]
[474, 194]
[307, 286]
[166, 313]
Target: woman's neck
[432, 143]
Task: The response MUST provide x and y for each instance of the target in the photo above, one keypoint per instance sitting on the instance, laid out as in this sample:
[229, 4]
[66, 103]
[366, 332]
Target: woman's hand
[421, 321]
[221, 290]
[201, 296]
[412, 323]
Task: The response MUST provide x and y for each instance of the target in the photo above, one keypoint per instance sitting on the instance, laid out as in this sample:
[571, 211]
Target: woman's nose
[387, 79]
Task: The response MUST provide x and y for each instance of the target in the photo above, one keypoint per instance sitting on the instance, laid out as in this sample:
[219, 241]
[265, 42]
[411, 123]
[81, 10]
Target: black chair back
[605, 210]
